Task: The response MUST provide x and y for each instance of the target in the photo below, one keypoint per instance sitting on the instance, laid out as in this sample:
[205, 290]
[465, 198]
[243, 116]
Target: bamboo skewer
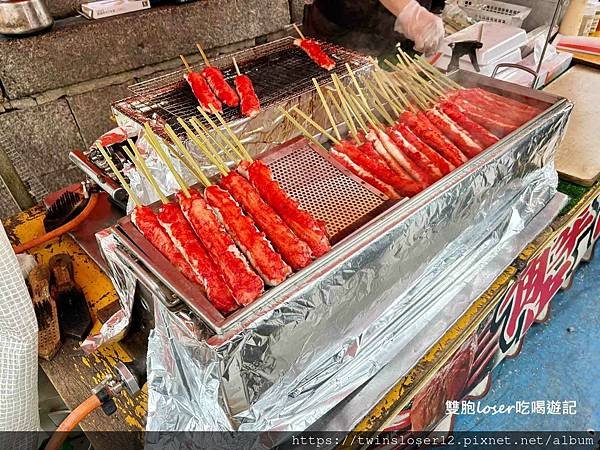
[354, 97]
[387, 94]
[425, 87]
[348, 119]
[152, 139]
[344, 103]
[315, 125]
[298, 31]
[357, 86]
[303, 130]
[187, 164]
[212, 153]
[388, 78]
[377, 102]
[227, 144]
[354, 112]
[206, 61]
[193, 165]
[327, 110]
[434, 78]
[243, 152]
[235, 64]
[219, 141]
[205, 139]
[185, 63]
[220, 167]
[358, 111]
[136, 200]
[141, 166]
[410, 92]
[453, 84]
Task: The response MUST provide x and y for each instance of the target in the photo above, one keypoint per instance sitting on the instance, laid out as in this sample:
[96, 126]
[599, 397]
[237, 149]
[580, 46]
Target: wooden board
[71, 372]
[586, 58]
[578, 158]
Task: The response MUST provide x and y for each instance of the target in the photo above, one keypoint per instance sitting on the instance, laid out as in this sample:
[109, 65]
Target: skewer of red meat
[415, 155]
[367, 157]
[217, 82]
[452, 131]
[301, 222]
[398, 147]
[476, 131]
[438, 160]
[173, 221]
[246, 286]
[493, 123]
[508, 102]
[411, 187]
[420, 125]
[202, 91]
[220, 86]
[295, 251]
[249, 103]
[511, 115]
[253, 243]
[146, 221]
[412, 169]
[315, 52]
[364, 175]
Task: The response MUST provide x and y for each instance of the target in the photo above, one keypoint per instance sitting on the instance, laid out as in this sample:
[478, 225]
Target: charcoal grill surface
[279, 71]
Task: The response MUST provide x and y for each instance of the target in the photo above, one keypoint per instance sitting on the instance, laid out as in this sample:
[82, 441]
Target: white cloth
[421, 26]
[18, 352]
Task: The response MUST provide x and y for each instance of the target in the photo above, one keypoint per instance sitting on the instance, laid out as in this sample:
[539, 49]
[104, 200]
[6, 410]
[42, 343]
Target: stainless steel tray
[346, 239]
[318, 182]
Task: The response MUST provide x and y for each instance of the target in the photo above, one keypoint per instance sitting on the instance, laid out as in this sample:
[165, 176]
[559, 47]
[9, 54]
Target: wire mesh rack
[279, 71]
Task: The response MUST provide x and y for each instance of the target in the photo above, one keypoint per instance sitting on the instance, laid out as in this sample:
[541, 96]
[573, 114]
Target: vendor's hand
[421, 26]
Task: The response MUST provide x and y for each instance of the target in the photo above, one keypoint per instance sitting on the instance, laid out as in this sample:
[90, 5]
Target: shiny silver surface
[358, 307]
[352, 410]
[22, 17]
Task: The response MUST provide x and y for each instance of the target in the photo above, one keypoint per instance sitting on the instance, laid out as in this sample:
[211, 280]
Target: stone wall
[56, 88]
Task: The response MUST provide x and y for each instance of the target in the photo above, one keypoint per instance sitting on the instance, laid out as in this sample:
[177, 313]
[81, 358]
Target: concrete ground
[559, 361]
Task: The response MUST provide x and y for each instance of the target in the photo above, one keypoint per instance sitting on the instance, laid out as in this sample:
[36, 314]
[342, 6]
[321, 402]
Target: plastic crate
[494, 11]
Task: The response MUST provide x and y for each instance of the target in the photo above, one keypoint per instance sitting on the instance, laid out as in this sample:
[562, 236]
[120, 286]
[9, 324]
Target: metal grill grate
[322, 189]
[279, 71]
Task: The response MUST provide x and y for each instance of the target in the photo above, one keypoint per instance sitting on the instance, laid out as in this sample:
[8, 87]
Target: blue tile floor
[559, 361]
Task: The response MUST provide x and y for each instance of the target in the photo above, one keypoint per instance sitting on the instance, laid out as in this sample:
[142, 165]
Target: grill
[279, 71]
[310, 176]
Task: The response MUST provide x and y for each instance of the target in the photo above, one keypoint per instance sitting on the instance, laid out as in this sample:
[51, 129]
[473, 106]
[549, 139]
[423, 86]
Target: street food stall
[297, 237]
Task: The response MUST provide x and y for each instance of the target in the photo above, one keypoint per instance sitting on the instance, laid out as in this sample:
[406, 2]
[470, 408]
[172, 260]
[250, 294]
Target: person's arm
[417, 24]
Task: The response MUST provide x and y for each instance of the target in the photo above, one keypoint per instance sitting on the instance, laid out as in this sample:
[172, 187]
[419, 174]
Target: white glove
[421, 26]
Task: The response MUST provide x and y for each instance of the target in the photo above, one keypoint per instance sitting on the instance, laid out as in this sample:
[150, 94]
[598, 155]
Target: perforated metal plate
[323, 187]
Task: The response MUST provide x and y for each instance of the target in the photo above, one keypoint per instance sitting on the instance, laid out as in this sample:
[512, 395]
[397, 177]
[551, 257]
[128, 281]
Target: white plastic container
[495, 11]
[484, 69]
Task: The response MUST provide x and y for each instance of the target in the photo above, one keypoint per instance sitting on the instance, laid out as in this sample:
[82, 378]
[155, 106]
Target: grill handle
[518, 66]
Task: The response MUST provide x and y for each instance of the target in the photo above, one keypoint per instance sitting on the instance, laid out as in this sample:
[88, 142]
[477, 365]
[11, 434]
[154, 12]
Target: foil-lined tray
[348, 314]
[311, 176]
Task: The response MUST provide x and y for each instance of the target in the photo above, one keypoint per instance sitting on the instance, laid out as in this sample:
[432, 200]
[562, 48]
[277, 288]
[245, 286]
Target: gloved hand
[421, 26]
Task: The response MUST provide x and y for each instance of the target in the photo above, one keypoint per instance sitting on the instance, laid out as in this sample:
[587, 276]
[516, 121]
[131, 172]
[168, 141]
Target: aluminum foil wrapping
[124, 281]
[359, 306]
